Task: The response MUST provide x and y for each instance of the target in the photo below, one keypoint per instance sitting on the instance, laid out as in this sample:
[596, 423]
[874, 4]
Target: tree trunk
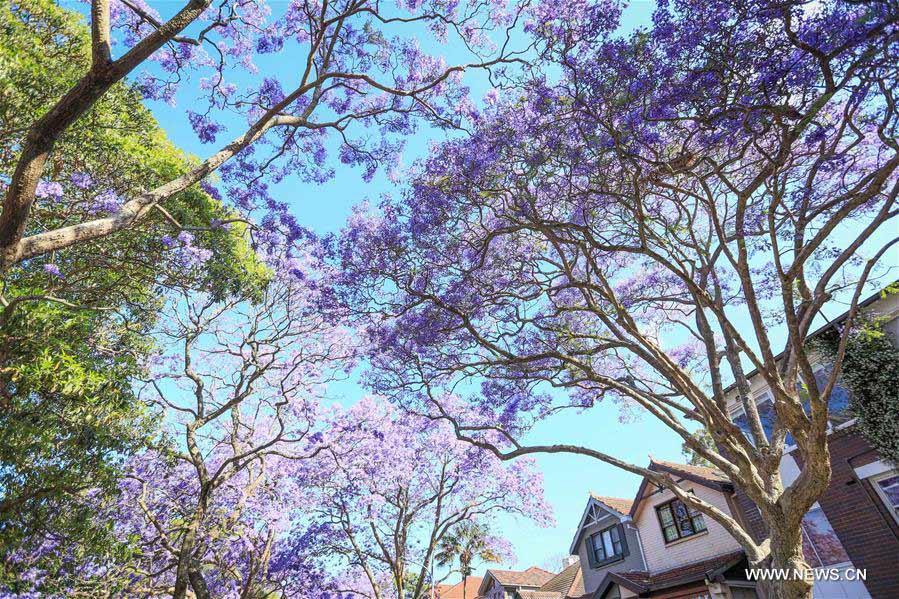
[464, 587]
[197, 581]
[185, 555]
[786, 555]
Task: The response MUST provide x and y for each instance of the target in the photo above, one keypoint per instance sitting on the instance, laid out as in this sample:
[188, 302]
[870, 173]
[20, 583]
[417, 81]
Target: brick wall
[868, 533]
[750, 516]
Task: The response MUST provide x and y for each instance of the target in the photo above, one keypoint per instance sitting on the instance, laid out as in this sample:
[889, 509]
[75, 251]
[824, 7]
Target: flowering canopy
[391, 486]
[362, 82]
[636, 228]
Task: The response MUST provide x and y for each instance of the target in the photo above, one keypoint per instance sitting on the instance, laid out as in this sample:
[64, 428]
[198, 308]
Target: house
[504, 584]
[855, 523]
[467, 588]
[654, 546]
[567, 583]
[606, 540]
[682, 553]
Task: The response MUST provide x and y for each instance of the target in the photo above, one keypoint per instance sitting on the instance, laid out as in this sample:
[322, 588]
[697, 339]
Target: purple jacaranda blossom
[203, 126]
[627, 232]
[81, 180]
[49, 189]
[53, 270]
[107, 201]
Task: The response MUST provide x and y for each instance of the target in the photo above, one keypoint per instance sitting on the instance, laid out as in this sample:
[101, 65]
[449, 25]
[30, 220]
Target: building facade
[855, 523]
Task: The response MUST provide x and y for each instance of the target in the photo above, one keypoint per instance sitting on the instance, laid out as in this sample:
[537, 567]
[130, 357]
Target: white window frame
[894, 511]
[847, 564]
[765, 392]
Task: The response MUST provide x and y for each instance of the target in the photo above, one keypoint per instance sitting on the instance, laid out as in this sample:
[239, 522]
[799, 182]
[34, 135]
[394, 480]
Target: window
[677, 521]
[607, 546]
[838, 407]
[765, 406]
[887, 486]
[838, 404]
[820, 544]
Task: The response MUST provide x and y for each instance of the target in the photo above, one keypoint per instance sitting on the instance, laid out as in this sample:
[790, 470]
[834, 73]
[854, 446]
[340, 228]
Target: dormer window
[678, 521]
[607, 546]
[837, 405]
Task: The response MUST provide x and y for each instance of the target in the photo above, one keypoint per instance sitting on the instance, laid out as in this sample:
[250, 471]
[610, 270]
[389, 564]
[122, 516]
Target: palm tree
[468, 542]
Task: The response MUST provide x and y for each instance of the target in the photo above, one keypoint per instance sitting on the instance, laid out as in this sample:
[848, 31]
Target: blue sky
[567, 479]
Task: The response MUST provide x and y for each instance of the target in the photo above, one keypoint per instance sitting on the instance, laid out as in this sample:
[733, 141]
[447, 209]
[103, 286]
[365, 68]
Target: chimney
[569, 560]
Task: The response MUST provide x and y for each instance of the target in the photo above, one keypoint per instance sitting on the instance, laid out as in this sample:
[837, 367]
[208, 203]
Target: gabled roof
[455, 591]
[620, 505]
[707, 477]
[639, 581]
[533, 577]
[540, 595]
[615, 506]
[569, 582]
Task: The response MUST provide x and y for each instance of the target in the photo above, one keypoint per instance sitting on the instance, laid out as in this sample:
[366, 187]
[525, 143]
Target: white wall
[659, 556]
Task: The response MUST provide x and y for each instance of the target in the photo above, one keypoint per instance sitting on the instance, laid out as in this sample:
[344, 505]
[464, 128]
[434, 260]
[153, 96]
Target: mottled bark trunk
[186, 561]
[786, 556]
[35, 150]
[197, 581]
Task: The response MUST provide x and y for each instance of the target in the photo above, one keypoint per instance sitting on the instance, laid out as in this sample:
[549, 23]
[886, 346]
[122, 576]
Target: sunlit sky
[567, 479]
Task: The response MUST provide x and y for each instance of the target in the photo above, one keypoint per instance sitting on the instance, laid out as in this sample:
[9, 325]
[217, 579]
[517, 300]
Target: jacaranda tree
[391, 488]
[638, 222]
[357, 63]
[235, 385]
[239, 382]
[75, 326]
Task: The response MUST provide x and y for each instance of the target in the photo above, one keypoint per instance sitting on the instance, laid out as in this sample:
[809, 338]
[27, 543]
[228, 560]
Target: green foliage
[70, 345]
[705, 439]
[44, 51]
[468, 542]
[871, 370]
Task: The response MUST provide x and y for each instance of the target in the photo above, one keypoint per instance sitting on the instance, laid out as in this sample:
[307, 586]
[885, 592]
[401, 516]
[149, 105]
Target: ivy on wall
[871, 371]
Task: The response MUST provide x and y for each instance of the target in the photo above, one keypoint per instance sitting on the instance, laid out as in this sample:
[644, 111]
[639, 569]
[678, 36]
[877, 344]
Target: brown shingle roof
[620, 505]
[642, 582]
[540, 595]
[711, 474]
[532, 577]
[454, 591]
[569, 582]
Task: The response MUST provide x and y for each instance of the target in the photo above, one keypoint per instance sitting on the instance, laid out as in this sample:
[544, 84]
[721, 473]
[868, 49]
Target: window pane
[767, 415]
[742, 423]
[838, 405]
[890, 488]
[698, 522]
[670, 533]
[682, 516]
[823, 538]
[680, 510]
[598, 551]
[665, 514]
[808, 552]
[607, 543]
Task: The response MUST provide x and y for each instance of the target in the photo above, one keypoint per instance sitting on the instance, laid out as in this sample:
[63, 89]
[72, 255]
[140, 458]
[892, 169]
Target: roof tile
[622, 506]
[532, 577]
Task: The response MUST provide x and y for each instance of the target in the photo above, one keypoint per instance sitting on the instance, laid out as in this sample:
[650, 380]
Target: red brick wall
[867, 531]
[750, 516]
